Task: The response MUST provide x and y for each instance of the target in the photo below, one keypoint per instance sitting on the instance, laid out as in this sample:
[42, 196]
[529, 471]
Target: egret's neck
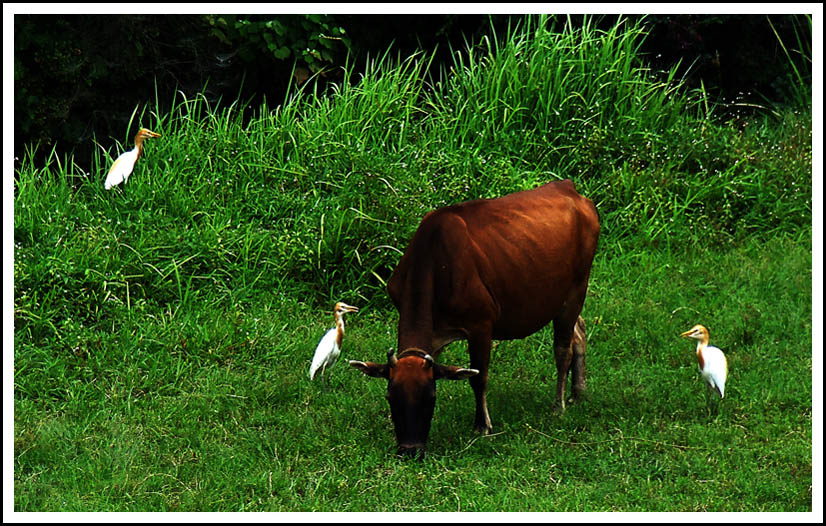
[139, 146]
[701, 345]
[339, 328]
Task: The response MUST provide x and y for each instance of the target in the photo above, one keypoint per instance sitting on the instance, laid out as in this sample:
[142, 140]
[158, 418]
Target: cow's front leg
[479, 350]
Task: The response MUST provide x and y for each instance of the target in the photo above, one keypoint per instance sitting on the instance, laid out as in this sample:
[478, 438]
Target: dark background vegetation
[79, 78]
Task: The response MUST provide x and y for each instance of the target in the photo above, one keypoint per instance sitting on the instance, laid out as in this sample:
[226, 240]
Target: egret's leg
[711, 403]
[715, 405]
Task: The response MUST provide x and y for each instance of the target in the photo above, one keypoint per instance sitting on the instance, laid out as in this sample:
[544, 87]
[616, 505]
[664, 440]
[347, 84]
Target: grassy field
[142, 423]
[163, 330]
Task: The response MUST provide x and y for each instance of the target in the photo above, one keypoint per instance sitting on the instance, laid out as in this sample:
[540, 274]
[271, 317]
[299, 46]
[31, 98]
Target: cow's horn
[391, 358]
[428, 360]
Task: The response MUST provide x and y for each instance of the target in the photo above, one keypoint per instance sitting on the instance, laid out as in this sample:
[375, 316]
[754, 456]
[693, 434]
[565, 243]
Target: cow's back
[513, 259]
[533, 247]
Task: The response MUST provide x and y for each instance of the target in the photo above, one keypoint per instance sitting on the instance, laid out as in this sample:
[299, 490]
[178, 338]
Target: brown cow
[483, 270]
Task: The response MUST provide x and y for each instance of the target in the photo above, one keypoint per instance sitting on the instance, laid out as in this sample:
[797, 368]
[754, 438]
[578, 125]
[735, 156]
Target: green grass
[145, 423]
[163, 330]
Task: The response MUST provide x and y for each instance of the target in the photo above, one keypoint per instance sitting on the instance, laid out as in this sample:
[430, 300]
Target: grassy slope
[163, 330]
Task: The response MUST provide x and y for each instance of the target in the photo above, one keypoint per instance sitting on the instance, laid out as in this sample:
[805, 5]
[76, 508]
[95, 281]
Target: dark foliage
[81, 77]
[735, 56]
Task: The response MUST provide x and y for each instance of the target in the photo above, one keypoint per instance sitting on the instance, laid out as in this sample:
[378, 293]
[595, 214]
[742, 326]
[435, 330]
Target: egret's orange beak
[149, 133]
[349, 308]
[686, 334]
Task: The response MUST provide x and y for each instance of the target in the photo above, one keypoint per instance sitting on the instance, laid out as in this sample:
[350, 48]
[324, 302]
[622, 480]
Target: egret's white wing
[715, 368]
[326, 348]
[122, 167]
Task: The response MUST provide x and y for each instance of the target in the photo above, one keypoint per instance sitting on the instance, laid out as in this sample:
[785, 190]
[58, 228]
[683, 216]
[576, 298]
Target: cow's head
[411, 392]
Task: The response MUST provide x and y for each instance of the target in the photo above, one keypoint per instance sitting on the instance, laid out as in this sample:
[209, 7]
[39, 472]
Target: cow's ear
[376, 370]
[450, 372]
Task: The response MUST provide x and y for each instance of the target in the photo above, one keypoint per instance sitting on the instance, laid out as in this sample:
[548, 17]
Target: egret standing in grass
[712, 361]
[125, 163]
[329, 348]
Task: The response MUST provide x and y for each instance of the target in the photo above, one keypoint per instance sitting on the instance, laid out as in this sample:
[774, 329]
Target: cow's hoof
[578, 397]
[482, 430]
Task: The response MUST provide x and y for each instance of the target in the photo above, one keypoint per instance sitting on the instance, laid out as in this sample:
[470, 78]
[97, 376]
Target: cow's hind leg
[579, 347]
[567, 343]
[563, 336]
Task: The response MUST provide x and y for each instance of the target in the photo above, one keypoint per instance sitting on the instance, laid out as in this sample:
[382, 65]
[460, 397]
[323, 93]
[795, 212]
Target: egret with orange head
[712, 361]
[125, 163]
[329, 348]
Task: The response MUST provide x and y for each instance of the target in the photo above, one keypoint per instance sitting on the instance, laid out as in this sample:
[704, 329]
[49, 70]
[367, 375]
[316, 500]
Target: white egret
[712, 361]
[125, 163]
[329, 348]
